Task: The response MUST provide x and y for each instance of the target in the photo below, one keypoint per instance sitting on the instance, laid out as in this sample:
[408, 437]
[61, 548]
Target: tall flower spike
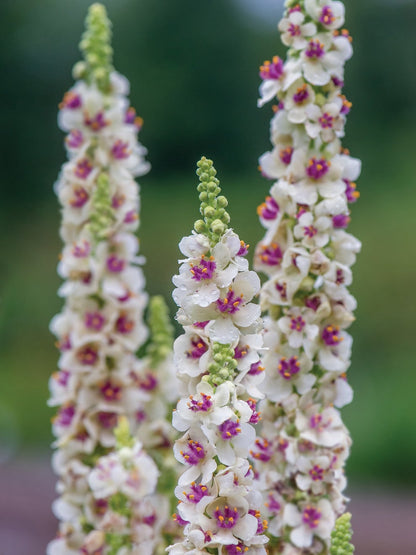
[217, 361]
[341, 536]
[307, 256]
[106, 480]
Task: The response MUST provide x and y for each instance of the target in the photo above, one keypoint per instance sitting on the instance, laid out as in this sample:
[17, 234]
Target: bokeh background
[193, 67]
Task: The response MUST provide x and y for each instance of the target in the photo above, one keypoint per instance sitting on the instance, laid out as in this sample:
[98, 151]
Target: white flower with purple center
[309, 520]
[321, 427]
[328, 13]
[294, 30]
[285, 371]
[298, 98]
[277, 76]
[325, 122]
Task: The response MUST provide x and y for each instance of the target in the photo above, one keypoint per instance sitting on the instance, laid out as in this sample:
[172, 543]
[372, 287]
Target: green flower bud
[341, 536]
[161, 331]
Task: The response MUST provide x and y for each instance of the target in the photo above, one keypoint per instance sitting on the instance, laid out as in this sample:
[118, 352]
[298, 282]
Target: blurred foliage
[193, 71]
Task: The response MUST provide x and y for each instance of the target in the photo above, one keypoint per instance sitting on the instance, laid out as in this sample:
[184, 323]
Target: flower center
[271, 255]
[240, 351]
[229, 429]
[83, 168]
[197, 493]
[256, 368]
[341, 221]
[288, 368]
[115, 264]
[273, 69]
[74, 139]
[327, 17]
[110, 391]
[330, 335]
[301, 94]
[199, 348]
[297, 324]
[80, 197]
[70, 100]
[351, 193]
[263, 451]
[149, 382]
[195, 452]
[201, 405]
[124, 325]
[315, 50]
[87, 355]
[205, 269]
[313, 302]
[243, 249]
[269, 209]
[96, 123]
[65, 415]
[311, 516]
[272, 504]
[255, 417]
[94, 320]
[226, 518]
[231, 303]
[317, 168]
[81, 251]
[285, 155]
[120, 150]
[108, 419]
[310, 231]
[316, 473]
[326, 121]
[294, 30]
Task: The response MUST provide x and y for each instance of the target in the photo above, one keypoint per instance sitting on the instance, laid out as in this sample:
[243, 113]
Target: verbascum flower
[101, 326]
[306, 255]
[217, 361]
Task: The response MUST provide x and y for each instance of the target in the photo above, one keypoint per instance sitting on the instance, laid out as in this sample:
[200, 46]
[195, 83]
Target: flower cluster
[217, 360]
[341, 536]
[101, 325]
[307, 256]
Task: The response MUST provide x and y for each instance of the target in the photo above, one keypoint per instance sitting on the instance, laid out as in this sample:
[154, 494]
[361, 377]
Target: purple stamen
[341, 221]
[71, 100]
[120, 150]
[81, 251]
[229, 429]
[301, 95]
[199, 348]
[198, 491]
[310, 231]
[226, 518]
[115, 264]
[230, 304]
[269, 209]
[195, 453]
[94, 320]
[288, 368]
[205, 269]
[87, 355]
[316, 473]
[273, 69]
[351, 193]
[83, 168]
[317, 168]
[326, 121]
[285, 155]
[271, 255]
[327, 16]
[124, 325]
[149, 382]
[330, 335]
[315, 50]
[80, 197]
[74, 139]
[313, 302]
[202, 405]
[311, 516]
[264, 450]
[96, 123]
[108, 419]
[110, 391]
[256, 369]
[297, 324]
[65, 415]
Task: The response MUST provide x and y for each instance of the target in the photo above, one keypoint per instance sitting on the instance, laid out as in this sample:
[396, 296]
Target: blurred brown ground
[384, 522]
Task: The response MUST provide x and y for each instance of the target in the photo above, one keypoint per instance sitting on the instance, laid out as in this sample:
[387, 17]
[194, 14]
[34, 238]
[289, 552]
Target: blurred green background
[193, 68]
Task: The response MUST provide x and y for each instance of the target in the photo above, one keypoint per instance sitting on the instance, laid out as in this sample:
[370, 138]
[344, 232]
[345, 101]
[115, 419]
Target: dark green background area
[193, 67]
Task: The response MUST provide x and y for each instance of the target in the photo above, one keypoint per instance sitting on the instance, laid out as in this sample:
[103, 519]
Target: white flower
[311, 520]
[294, 30]
[328, 13]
